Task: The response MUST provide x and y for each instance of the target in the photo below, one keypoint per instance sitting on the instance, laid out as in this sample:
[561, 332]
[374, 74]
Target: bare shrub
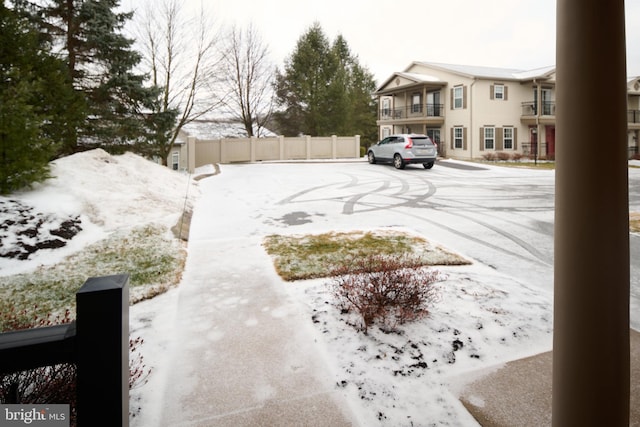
[490, 156]
[382, 288]
[516, 157]
[502, 156]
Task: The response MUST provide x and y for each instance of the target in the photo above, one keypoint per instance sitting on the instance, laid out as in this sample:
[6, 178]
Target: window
[175, 160]
[434, 134]
[433, 104]
[489, 138]
[457, 97]
[386, 110]
[458, 141]
[386, 132]
[415, 103]
[507, 138]
[498, 92]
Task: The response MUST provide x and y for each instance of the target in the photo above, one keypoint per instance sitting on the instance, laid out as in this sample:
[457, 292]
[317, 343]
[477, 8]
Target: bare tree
[182, 58]
[248, 76]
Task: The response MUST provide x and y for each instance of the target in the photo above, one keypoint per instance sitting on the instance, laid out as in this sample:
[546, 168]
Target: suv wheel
[398, 163]
[428, 165]
[371, 157]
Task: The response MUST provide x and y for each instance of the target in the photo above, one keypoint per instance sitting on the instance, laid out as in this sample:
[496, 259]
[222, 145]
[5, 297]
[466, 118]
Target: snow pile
[90, 195]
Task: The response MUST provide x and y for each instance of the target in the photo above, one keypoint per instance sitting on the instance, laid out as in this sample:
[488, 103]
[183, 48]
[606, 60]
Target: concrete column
[591, 308]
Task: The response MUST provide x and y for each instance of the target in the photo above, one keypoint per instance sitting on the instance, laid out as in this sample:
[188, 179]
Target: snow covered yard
[403, 377]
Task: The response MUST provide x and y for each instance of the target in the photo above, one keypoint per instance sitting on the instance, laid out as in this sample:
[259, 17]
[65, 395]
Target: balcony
[416, 111]
[531, 108]
[633, 116]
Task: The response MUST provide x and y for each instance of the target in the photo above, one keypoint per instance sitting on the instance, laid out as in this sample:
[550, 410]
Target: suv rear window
[421, 140]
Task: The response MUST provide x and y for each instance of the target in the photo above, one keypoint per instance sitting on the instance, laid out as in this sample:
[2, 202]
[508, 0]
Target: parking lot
[502, 217]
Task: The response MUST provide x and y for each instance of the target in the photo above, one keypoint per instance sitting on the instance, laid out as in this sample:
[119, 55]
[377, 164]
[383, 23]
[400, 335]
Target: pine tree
[100, 61]
[303, 88]
[37, 102]
[324, 90]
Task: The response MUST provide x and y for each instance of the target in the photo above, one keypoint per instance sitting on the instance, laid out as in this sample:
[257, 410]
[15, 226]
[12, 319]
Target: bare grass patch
[302, 257]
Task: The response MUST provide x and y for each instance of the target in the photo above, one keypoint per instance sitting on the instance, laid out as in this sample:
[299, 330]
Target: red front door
[551, 141]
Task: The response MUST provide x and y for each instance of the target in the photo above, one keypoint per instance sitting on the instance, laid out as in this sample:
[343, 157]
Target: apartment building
[473, 111]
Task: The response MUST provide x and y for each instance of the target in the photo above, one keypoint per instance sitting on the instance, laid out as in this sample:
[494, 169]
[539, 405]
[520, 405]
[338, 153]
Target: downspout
[538, 108]
[471, 128]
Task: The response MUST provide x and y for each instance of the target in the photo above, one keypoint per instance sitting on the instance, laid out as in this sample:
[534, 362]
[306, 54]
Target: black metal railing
[537, 151]
[97, 343]
[530, 108]
[633, 116]
[412, 111]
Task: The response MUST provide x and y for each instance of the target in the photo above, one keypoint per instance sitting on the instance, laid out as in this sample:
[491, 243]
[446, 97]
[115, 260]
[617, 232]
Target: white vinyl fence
[200, 152]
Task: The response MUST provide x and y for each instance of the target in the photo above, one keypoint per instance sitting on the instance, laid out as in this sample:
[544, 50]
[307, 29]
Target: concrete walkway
[519, 393]
[244, 356]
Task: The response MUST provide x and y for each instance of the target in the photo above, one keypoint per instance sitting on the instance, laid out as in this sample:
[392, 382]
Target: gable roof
[414, 79]
[633, 85]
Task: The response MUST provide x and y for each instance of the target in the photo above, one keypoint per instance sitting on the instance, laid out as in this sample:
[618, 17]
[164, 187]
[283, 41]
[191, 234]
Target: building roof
[489, 72]
[471, 71]
[218, 129]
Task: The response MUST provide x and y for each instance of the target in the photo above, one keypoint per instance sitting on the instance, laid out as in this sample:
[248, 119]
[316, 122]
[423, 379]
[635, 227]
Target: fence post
[191, 154]
[252, 148]
[357, 147]
[102, 337]
[281, 147]
[334, 146]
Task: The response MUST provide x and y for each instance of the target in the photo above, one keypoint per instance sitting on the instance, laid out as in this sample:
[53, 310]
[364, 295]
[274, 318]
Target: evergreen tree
[37, 102]
[100, 62]
[303, 88]
[324, 90]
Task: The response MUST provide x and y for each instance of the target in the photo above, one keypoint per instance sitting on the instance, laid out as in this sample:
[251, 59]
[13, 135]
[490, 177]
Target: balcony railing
[531, 108]
[633, 116]
[412, 111]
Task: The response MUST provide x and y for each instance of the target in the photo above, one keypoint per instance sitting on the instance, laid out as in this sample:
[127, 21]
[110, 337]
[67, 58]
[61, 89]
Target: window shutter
[464, 138]
[464, 97]
[515, 138]
[481, 139]
[451, 107]
[506, 93]
[451, 141]
[492, 89]
[499, 139]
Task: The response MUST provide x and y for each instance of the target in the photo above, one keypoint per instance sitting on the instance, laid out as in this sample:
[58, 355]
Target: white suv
[403, 149]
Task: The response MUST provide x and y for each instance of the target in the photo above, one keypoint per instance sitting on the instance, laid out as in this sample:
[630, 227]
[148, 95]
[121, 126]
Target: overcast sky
[387, 36]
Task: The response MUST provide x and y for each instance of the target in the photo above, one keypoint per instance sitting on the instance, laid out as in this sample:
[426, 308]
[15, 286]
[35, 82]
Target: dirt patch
[24, 231]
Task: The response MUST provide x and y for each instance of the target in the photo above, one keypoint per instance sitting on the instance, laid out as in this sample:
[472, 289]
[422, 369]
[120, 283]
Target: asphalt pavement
[244, 356]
